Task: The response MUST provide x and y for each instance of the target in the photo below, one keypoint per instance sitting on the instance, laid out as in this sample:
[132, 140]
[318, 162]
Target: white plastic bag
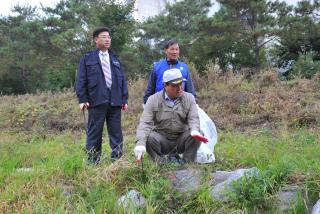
[205, 153]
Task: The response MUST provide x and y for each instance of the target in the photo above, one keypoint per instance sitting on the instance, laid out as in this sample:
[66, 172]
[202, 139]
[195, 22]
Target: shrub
[306, 66]
[255, 191]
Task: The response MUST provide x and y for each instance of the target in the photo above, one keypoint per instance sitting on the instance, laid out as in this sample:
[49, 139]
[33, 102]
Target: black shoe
[91, 161]
[182, 161]
[113, 159]
[93, 157]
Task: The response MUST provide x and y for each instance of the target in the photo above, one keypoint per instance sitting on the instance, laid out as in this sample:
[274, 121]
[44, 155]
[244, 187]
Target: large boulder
[132, 199]
[185, 180]
[222, 181]
[288, 198]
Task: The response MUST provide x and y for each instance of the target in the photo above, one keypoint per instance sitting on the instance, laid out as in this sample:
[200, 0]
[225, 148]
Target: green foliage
[138, 59]
[44, 135]
[59, 175]
[22, 59]
[254, 192]
[118, 17]
[42, 53]
[299, 32]
[251, 26]
[180, 21]
[101, 197]
[306, 66]
[199, 202]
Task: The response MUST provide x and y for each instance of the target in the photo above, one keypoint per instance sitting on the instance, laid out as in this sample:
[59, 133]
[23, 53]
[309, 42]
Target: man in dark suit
[101, 88]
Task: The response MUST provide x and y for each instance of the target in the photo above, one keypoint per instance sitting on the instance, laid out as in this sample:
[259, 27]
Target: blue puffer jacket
[155, 80]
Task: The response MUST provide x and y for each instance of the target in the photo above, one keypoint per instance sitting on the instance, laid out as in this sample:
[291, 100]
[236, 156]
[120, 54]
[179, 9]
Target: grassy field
[263, 122]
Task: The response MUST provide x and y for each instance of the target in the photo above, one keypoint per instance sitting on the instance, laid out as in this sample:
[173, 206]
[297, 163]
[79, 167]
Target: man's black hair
[99, 30]
[170, 42]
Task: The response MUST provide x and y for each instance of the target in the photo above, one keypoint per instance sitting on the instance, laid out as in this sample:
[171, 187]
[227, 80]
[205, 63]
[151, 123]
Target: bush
[255, 191]
[306, 66]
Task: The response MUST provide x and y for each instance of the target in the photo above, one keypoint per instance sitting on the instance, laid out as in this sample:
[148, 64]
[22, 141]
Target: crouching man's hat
[173, 76]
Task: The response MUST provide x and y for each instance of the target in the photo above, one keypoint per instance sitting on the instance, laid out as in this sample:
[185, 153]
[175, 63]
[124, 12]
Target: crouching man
[169, 122]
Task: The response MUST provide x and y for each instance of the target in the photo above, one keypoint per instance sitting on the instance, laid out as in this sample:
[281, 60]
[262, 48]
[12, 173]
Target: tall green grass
[60, 181]
[262, 123]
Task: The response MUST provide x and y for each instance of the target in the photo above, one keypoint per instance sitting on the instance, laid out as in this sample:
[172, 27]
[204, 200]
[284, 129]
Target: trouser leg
[158, 145]
[96, 120]
[188, 146]
[113, 120]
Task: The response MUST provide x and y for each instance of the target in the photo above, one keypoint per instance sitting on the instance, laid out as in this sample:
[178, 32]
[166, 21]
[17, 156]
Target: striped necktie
[106, 69]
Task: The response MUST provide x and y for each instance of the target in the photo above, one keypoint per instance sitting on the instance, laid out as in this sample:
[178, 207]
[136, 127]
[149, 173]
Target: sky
[6, 5]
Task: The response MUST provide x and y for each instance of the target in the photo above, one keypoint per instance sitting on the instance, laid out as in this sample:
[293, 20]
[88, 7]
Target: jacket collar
[172, 62]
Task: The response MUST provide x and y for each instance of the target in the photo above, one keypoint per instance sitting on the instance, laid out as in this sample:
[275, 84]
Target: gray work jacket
[169, 121]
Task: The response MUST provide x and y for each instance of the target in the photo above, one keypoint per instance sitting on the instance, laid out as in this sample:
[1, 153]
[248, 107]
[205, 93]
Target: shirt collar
[101, 53]
[166, 97]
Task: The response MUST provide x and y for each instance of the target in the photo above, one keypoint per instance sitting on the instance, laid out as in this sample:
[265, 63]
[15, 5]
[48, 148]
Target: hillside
[263, 122]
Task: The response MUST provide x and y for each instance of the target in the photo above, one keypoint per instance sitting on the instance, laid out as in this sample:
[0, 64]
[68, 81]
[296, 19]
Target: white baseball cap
[173, 76]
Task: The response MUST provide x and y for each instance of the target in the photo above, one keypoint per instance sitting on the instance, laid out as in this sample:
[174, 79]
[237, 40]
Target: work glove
[84, 106]
[139, 151]
[196, 135]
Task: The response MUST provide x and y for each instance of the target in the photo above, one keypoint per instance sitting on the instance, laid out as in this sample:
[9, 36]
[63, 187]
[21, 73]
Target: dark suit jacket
[91, 86]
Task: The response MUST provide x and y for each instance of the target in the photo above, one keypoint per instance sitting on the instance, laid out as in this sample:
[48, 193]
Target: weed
[270, 124]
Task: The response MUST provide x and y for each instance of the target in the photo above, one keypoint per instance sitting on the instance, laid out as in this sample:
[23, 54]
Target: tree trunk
[23, 77]
[257, 55]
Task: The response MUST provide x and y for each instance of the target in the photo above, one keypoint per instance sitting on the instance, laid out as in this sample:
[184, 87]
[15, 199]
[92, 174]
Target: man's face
[172, 52]
[103, 41]
[174, 91]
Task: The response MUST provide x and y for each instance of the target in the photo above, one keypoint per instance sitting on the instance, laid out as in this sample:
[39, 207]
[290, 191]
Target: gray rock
[222, 182]
[316, 208]
[185, 180]
[132, 199]
[287, 198]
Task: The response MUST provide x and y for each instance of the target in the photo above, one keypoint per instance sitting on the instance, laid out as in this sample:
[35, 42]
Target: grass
[264, 123]
[61, 181]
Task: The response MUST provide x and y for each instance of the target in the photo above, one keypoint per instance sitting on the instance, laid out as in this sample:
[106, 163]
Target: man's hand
[196, 135]
[139, 152]
[84, 106]
[124, 107]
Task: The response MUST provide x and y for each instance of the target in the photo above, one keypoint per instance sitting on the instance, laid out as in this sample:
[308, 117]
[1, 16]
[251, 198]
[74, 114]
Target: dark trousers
[97, 117]
[158, 145]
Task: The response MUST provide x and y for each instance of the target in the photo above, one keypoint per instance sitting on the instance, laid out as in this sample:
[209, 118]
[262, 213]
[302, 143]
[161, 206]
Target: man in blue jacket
[155, 84]
[171, 61]
[101, 88]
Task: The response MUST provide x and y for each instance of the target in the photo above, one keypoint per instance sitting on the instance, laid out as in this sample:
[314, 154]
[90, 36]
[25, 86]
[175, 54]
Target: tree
[69, 26]
[251, 26]
[118, 17]
[42, 52]
[179, 21]
[217, 42]
[300, 32]
[22, 42]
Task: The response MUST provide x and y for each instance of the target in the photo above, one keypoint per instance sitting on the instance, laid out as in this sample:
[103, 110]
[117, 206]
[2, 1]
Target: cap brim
[174, 82]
